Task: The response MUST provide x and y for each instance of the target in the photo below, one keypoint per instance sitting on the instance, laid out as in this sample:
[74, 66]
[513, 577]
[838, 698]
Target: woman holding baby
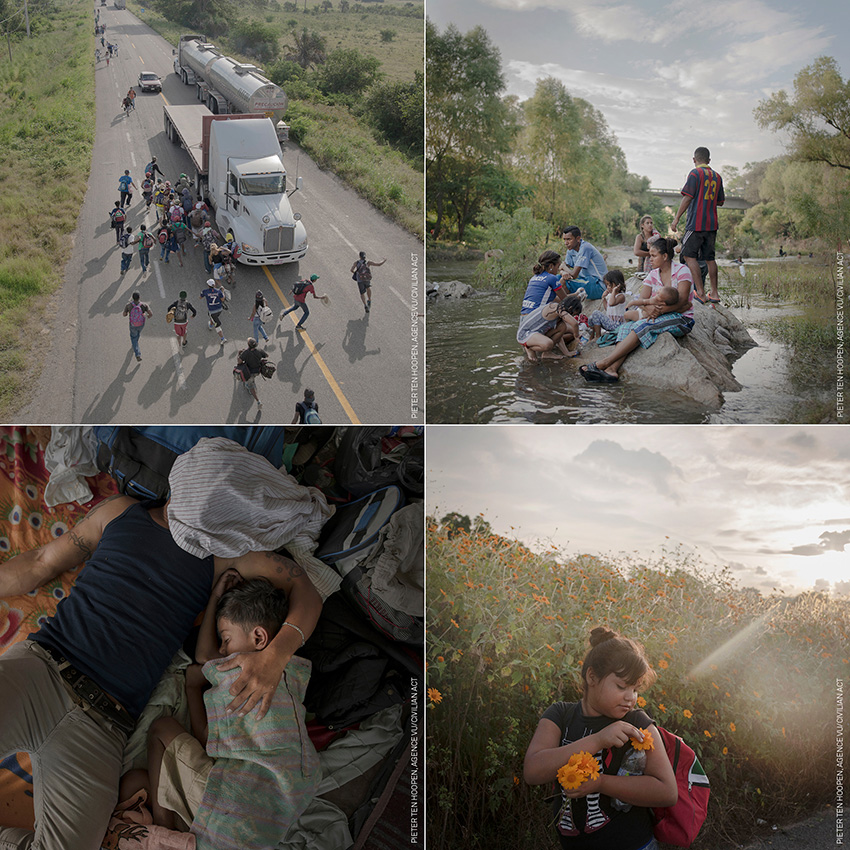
[655, 311]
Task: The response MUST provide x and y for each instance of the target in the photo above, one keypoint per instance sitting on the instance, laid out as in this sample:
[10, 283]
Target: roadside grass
[46, 133]
[377, 172]
[748, 681]
[340, 140]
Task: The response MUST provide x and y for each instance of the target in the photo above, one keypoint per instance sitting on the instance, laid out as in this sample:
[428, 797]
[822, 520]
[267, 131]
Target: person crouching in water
[550, 325]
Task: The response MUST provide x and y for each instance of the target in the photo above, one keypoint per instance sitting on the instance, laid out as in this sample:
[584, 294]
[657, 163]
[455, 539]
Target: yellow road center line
[332, 383]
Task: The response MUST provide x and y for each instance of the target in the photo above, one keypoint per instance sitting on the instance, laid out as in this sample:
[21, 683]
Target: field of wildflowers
[748, 681]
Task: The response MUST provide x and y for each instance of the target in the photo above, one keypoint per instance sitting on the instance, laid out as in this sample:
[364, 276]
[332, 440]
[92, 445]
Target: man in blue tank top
[71, 695]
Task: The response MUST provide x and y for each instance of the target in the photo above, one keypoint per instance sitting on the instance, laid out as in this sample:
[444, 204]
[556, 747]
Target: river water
[477, 372]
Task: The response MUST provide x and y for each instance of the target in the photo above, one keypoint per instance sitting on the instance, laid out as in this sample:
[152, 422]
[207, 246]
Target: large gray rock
[698, 366]
[448, 289]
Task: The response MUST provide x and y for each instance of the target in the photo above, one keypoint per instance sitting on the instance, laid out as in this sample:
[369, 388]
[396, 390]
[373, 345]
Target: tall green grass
[46, 135]
[508, 628]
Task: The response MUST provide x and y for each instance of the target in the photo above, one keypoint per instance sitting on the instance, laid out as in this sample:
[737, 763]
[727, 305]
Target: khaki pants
[76, 754]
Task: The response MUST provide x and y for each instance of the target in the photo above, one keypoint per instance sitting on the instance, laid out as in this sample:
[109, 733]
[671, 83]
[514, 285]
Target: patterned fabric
[266, 508]
[648, 330]
[27, 523]
[266, 772]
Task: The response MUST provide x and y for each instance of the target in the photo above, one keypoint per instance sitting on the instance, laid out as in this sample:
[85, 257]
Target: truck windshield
[263, 184]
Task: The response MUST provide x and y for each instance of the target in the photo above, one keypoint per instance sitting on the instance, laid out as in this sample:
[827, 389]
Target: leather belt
[91, 693]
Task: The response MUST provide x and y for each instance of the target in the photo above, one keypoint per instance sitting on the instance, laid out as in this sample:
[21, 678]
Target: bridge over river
[674, 196]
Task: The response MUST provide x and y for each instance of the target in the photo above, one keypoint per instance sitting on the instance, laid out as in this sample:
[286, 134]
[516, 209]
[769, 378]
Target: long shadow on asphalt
[354, 341]
[198, 375]
[106, 407]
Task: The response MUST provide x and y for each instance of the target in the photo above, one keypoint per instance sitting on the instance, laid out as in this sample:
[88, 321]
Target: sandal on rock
[592, 373]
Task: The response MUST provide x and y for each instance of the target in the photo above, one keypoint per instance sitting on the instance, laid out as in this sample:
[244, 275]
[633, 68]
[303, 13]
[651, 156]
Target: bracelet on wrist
[293, 626]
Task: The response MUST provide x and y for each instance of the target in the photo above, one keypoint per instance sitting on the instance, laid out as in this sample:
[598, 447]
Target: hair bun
[600, 634]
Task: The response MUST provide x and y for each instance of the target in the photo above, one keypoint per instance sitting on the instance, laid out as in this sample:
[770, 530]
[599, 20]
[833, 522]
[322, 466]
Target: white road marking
[383, 285]
[178, 363]
[155, 265]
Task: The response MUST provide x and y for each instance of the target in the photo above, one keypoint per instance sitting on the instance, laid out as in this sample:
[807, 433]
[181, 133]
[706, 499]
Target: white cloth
[69, 457]
[227, 501]
[398, 568]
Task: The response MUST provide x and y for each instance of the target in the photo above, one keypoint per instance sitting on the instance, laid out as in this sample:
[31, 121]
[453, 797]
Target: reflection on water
[477, 373]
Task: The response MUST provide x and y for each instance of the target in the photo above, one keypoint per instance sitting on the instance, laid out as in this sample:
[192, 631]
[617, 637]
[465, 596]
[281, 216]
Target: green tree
[256, 39]
[347, 71]
[212, 17]
[456, 522]
[388, 35]
[568, 155]
[307, 49]
[817, 116]
[470, 126]
[395, 110]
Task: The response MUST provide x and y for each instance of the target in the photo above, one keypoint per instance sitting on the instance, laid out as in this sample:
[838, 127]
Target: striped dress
[266, 772]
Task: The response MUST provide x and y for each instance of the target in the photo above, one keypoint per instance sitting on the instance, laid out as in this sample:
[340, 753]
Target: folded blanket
[227, 501]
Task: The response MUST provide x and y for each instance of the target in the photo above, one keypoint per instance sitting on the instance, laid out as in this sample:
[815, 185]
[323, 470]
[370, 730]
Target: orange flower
[706, 733]
[646, 744]
[587, 764]
[732, 726]
[641, 702]
[725, 751]
[570, 777]
[663, 707]
[663, 664]
[455, 624]
[434, 695]
[440, 658]
[687, 713]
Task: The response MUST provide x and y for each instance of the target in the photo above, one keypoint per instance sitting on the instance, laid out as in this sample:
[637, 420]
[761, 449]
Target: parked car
[149, 81]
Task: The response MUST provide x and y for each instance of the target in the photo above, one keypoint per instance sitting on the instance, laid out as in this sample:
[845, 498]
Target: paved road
[359, 366]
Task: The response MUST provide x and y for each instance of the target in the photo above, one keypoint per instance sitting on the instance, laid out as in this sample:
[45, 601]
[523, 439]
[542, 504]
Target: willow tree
[568, 155]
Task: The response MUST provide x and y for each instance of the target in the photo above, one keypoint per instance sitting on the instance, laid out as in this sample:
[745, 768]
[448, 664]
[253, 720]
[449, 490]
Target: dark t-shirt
[302, 408]
[253, 359]
[131, 608]
[610, 828]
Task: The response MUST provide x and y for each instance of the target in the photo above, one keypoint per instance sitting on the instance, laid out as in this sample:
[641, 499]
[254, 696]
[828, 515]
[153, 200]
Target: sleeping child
[266, 770]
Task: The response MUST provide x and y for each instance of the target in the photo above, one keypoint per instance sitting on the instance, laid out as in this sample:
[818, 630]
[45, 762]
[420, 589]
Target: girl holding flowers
[583, 745]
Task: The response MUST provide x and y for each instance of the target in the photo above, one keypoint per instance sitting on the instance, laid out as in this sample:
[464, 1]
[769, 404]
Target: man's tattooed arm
[81, 543]
[283, 565]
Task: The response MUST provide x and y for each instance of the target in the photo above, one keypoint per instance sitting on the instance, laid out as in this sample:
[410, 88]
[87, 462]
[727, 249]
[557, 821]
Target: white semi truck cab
[240, 168]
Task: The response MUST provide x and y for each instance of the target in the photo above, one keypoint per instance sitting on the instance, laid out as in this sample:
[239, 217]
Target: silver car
[149, 81]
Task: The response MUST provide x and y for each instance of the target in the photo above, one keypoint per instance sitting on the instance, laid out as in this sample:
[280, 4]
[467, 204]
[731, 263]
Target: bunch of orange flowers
[581, 767]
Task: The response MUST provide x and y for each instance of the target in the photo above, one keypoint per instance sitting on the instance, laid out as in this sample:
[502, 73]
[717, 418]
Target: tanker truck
[226, 86]
[239, 169]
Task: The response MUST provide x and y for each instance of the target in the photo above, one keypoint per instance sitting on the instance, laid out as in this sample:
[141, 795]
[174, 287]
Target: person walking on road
[146, 242]
[180, 310]
[138, 312]
[126, 241]
[252, 359]
[125, 189]
[153, 169]
[259, 315]
[307, 411]
[216, 297]
[300, 290]
[361, 271]
[117, 218]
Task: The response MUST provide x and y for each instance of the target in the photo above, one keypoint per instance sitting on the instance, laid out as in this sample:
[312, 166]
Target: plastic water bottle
[633, 764]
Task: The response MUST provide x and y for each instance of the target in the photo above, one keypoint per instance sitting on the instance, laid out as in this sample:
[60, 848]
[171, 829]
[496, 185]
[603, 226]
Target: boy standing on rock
[702, 195]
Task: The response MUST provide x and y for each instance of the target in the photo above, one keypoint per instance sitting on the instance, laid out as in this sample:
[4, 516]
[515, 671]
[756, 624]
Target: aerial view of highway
[290, 221]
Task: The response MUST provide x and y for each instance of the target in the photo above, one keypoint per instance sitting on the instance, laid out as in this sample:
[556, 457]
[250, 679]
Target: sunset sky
[667, 76]
[770, 502]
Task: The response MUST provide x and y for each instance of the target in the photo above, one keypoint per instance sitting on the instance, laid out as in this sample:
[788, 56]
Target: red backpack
[678, 825]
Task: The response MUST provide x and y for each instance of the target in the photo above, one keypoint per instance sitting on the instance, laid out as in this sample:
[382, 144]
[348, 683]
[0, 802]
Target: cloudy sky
[667, 76]
[770, 502]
